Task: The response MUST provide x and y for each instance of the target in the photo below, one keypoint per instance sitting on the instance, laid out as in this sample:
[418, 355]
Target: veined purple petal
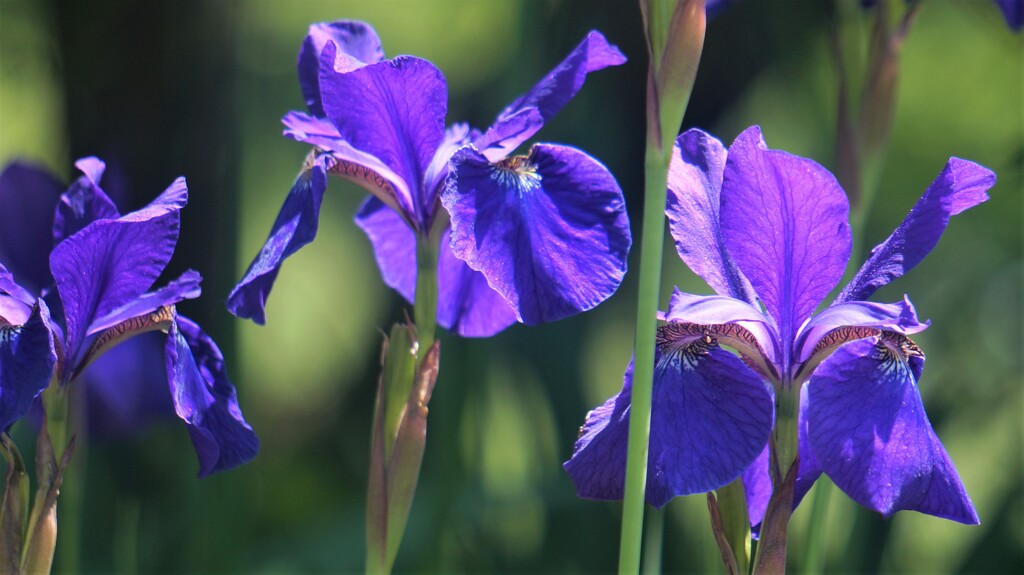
[205, 399]
[27, 359]
[785, 223]
[960, 185]
[710, 417]
[28, 197]
[352, 164]
[549, 230]
[393, 110]
[109, 263]
[868, 428]
[466, 303]
[295, 226]
[394, 245]
[562, 83]
[899, 317]
[1013, 11]
[507, 133]
[84, 202]
[713, 309]
[357, 45]
[694, 191]
[185, 287]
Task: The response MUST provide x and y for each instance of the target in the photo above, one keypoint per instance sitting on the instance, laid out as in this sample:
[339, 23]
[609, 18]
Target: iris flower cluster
[530, 238]
[769, 232]
[62, 308]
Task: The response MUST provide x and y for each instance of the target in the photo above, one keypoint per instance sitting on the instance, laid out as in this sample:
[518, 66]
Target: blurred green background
[196, 88]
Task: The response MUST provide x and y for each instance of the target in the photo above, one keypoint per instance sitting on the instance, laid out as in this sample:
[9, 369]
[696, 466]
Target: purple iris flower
[768, 232]
[99, 274]
[1013, 11]
[530, 238]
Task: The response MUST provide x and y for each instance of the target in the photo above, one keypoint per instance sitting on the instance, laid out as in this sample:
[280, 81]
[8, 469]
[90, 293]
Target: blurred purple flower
[768, 232]
[532, 238]
[102, 265]
[1013, 11]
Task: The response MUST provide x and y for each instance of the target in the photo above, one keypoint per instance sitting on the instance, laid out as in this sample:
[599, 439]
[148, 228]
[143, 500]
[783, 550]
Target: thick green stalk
[651, 249]
[425, 306]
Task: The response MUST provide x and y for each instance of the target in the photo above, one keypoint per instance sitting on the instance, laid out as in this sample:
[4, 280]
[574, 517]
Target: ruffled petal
[841, 323]
[466, 304]
[785, 223]
[710, 417]
[561, 84]
[357, 45]
[204, 398]
[27, 359]
[295, 226]
[18, 295]
[84, 202]
[352, 164]
[109, 263]
[184, 287]
[694, 191]
[393, 110]
[869, 431]
[548, 230]
[961, 185]
[28, 197]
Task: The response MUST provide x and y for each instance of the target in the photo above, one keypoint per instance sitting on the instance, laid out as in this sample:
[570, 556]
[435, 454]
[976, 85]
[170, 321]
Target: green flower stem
[651, 250]
[55, 404]
[653, 540]
[425, 306]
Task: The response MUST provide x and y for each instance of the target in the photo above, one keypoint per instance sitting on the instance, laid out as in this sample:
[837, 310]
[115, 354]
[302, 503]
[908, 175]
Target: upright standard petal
[205, 399]
[562, 83]
[28, 196]
[84, 202]
[112, 262]
[548, 230]
[694, 191]
[466, 304]
[711, 415]
[295, 226]
[961, 185]
[27, 359]
[393, 110]
[869, 431]
[357, 45]
[785, 223]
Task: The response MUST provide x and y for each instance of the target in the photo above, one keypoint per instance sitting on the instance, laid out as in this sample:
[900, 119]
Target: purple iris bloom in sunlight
[530, 238]
[768, 232]
[99, 274]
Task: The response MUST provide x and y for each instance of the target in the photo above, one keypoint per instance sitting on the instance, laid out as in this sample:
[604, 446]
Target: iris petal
[710, 417]
[961, 185]
[28, 195]
[205, 399]
[27, 358]
[109, 263]
[84, 202]
[295, 226]
[357, 45]
[694, 192]
[868, 428]
[785, 223]
[466, 303]
[393, 110]
[549, 231]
